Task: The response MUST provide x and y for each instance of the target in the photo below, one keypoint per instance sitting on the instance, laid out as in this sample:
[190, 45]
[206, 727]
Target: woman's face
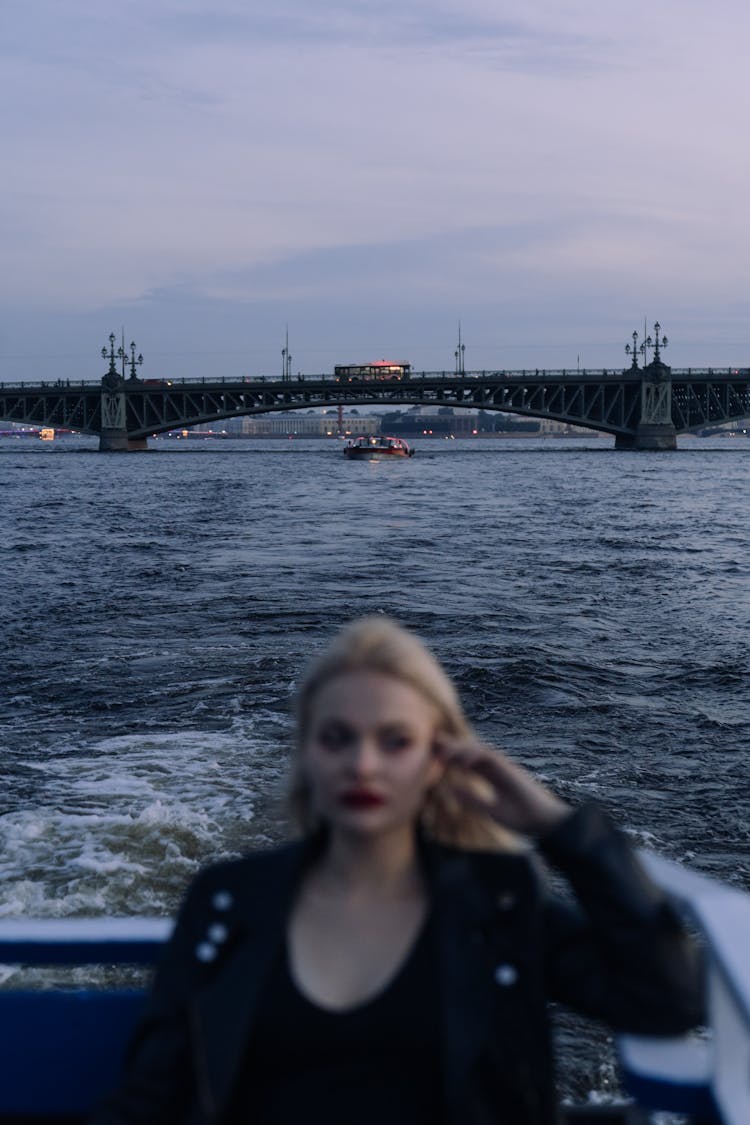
[368, 755]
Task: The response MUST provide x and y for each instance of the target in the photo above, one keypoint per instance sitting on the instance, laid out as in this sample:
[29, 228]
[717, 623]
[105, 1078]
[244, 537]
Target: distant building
[306, 425]
[418, 422]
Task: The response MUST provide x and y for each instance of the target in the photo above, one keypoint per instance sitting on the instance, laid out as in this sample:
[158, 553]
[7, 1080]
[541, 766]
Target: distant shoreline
[596, 435]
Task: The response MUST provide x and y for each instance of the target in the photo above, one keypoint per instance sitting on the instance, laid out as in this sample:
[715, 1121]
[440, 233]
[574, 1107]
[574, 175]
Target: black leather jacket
[505, 946]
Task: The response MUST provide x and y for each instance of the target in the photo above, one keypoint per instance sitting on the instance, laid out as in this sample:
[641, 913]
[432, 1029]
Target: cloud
[400, 23]
[560, 161]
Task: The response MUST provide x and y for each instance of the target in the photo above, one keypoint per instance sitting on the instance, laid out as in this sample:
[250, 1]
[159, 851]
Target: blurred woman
[395, 963]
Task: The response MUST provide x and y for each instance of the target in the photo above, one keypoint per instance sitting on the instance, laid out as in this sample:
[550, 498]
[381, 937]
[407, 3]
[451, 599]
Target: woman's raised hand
[509, 794]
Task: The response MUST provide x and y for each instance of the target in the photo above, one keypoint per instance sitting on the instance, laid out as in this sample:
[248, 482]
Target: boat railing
[61, 1047]
[707, 1077]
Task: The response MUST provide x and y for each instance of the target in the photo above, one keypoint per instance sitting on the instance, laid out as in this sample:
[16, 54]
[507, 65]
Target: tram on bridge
[380, 371]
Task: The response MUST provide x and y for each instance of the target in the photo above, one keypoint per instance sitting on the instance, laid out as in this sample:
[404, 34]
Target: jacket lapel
[222, 1013]
[473, 896]
[463, 908]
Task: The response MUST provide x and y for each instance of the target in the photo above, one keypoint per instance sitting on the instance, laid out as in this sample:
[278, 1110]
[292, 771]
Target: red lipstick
[361, 799]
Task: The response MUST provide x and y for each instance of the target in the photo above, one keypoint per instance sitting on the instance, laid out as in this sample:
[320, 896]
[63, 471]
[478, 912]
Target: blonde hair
[379, 644]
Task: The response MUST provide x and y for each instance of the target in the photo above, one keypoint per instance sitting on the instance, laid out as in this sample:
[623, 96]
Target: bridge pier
[649, 435]
[117, 441]
[655, 435]
[113, 436]
[655, 429]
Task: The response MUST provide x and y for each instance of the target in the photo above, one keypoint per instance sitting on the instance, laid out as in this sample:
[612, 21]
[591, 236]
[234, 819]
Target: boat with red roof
[376, 448]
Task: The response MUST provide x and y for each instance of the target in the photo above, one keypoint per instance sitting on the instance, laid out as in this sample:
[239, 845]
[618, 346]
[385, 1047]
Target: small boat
[376, 448]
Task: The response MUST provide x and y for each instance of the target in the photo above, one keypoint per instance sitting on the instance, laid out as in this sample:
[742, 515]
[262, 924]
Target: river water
[157, 608]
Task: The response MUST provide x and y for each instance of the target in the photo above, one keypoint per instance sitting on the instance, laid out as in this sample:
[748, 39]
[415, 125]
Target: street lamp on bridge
[458, 355]
[112, 355]
[658, 343]
[635, 349]
[133, 361]
[112, 375]
[286, 360]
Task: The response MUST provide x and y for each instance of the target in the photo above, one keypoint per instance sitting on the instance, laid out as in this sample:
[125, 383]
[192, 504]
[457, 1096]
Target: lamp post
[286, 360]
[635, 350]
[111, 355]
[658, 343]
[458, 355]
[133, 361]
[125, 362]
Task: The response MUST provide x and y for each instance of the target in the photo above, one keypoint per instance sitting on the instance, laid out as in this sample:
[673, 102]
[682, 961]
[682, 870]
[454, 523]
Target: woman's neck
[383, 866]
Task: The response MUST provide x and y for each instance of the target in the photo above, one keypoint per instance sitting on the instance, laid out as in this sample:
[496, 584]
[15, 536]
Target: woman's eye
[396, 741]
[334, 737]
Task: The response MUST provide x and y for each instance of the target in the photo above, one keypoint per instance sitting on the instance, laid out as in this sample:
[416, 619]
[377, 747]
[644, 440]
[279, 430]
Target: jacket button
[205, 951]
[217, 932]
[222, 900]
[506, 975]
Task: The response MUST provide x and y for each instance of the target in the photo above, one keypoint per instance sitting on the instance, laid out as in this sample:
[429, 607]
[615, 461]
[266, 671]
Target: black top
[373, 1064]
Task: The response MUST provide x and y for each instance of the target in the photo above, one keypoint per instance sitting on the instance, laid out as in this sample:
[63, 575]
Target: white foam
[120, 826]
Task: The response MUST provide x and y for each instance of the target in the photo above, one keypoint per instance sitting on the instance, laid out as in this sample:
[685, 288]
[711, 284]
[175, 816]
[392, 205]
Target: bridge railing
[415, 377]
[325, 377]
[52, 385]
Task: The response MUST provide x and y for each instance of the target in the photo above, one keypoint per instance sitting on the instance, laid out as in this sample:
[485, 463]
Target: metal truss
[699, 402]
[612, 405]
[74, 408]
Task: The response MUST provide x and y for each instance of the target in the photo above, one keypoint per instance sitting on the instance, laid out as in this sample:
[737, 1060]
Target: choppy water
[592, 605]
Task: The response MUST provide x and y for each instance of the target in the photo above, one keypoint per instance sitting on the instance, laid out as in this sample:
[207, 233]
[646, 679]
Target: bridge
[642, 407]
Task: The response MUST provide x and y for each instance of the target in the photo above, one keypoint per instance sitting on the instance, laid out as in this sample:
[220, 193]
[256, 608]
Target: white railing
[708, 1077]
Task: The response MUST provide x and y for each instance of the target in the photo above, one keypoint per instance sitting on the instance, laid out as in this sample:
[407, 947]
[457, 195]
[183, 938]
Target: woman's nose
[364, 755]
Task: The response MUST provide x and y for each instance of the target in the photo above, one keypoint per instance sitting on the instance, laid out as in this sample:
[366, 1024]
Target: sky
[199, 175]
